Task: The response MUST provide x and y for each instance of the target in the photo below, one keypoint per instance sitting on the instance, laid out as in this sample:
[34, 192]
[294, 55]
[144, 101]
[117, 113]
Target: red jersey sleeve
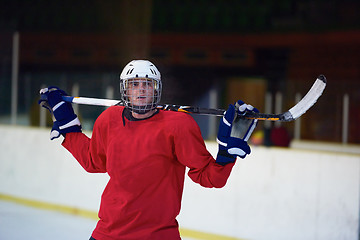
[90, 153]
[191, 151]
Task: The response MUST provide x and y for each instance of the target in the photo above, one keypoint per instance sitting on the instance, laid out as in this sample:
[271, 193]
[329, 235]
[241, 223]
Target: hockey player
[145, 152]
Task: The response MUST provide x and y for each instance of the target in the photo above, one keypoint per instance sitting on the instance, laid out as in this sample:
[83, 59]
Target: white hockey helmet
[140, 70]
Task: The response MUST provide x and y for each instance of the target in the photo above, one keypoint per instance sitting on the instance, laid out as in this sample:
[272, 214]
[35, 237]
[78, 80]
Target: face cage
[141, 95]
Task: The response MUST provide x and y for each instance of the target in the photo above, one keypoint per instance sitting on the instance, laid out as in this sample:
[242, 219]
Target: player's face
[140, 91]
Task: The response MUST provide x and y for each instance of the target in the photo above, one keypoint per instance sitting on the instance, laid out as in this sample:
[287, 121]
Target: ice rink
[19, 222]
[287, 193]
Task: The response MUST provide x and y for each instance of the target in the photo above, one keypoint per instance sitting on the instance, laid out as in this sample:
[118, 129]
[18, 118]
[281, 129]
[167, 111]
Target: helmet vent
[153, 71]
[130, 71]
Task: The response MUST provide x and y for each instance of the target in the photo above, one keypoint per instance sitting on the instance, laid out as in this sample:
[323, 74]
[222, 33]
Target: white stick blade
[310, 98]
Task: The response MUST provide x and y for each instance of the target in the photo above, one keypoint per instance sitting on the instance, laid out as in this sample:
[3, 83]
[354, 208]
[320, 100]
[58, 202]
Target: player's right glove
[234, 131]
[65, 120]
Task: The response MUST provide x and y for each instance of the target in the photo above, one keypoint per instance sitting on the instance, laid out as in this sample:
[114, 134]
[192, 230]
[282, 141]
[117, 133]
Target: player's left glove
[65, 120]
[234, 132]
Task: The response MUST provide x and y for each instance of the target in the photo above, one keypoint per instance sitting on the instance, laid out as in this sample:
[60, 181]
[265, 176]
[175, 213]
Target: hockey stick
[295, 112]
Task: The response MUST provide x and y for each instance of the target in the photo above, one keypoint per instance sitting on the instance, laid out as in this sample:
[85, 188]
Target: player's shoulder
[178, 123]
[112, 111]
[177, 117]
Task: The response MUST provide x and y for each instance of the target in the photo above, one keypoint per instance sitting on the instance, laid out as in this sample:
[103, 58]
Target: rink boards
[276, 193]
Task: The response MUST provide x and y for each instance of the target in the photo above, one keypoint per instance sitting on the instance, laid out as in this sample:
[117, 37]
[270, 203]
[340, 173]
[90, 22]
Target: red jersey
[146, 162]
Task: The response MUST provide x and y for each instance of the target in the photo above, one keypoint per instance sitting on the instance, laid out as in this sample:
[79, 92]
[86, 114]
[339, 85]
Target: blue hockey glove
[242, 127]
[65, 120]
[234, 132]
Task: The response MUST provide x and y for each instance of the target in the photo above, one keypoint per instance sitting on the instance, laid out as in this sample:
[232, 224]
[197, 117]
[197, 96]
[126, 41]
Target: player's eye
[133, 84]
[149, 83]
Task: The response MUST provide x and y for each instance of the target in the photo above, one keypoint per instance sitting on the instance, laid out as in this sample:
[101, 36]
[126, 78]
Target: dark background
[242, 49]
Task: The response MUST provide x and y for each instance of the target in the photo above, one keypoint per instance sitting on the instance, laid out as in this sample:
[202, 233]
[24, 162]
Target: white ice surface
[18, 222]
